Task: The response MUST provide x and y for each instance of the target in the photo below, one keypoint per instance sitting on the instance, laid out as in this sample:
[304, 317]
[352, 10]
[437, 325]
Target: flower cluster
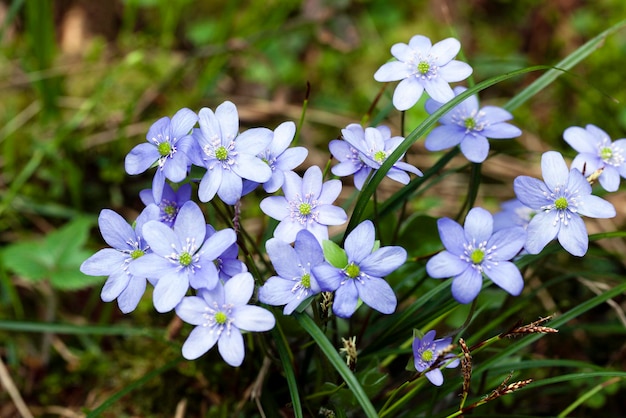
[196, 270]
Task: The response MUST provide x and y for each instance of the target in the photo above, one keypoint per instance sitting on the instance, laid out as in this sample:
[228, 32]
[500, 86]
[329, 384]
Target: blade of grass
[286, 359]
[340, 366]
[57, 328]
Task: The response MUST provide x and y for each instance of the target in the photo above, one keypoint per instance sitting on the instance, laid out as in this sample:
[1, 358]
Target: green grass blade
[285, 359]
[333, 357]
[56, 328]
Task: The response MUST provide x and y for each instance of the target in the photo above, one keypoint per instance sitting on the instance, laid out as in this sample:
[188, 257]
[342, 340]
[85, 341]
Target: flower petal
[230, 346]
[392, 71]
[475, 148]
[130, 297]
[228, 118]
[170, 290]
[444, 265]
[199, 341]
[140, 158]
[467, 285]
[541, 229]
[506, 275]
[452, 235]
[407, 93]
[554, 170]
[595, 207]
[191, 310]
[182, 122]
[253, 318]
[377, 294]
[478, 225]
[573, 236]
[328, 277]
[443, 137]
[275, 207]
[210, 183]
[383, 261]
[360, 241]
[531, 192]
[346, 298]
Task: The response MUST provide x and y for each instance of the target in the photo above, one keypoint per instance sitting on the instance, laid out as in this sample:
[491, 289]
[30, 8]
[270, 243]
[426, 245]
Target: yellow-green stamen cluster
[470, 123]
[221, 153]
[220, 318]
[423, 67]
[164, 148]
[352, 270]
[561, 203]
[427, 356]
[606, 153]
[304, 209]
[136, 254]
[380, 156]
[305, 280]
[477, 256]
[185, 259]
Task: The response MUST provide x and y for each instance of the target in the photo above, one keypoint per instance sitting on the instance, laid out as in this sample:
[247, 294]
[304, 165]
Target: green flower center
[136, 254]
[561, 203]
[305, 280]
[221, 318]
[352, 270]
[184, 259]
[470, 123]
[164, 148]
[170, 210]
[423, 67]
[606, 153]
[477, 256]
[305, 209]
[427, 356]
[380, 156]
[221, 153]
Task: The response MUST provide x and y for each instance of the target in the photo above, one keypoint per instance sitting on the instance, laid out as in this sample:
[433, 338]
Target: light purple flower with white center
[295, 281]
[279, 157]
[597, 152]
[228, 156]
[169, 141]
[363, 276]
[469, 126]
[559, 200]
[127, 247]
[170, 203]
[423, 66]
[181, 256]
[426, 354]
[372, 147]
[220, 315]
[306, 204]
[475, 249]
[513, 213]
[228, 263]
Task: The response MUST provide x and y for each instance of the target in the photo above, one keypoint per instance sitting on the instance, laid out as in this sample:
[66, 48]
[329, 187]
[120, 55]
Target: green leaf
[28, 260]
[68, 239]
[334, 254]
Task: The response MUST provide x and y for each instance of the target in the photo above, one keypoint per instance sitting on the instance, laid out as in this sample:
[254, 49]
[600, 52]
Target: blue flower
[367, 150]
[513, 213]
[227, 263]
[475, 249]
[128, 246]
[559, 200]
[181, 256]
[362, 276]
[279, 157]
[220, 315]
[423, 66]
[171, 201]
[307, 204]
[295, 281]
[427, 352]
[470, 126]
[169, 141]
[227, 155]
[597, 152]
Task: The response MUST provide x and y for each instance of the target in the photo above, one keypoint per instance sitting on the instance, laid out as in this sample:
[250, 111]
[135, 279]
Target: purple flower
[227, 263]
[220, 315]
[168, 144]
[475, 249]
[559, 200]
[295, 281]
[470, 126]
[361, 277]
[279, 157]
[365, 150]
[513, 213]
[182, 256]
[228, 156]
[423, 66]
[597, 152]
[427, 352]
[127, 247]
[171, 201]
[307, 204]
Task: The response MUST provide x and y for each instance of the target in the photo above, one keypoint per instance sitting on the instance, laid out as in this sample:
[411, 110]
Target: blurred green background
[82, 81]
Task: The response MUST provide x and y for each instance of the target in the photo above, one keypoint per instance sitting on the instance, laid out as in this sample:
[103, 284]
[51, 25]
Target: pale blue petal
[175, 168]
[103, 263]
[454, 71]
[330, 191]
[435, 377]
[531, 192]
[595, 207]
[253, 141]
[199, 341]
[319, 231]
[377, 294]
[331, 215]
[140, 158]
[130, 297]
[151, 266]
[609, 179]
[161, 238]
[541, 229]
[402, 52]
[573, 236]
[495, 115]
[284, 258]
[158, 182]
[466, 286]
[253, 318]
[292, 187]
[478, 225]
[276, 291]
[444, 51]
[191, 310]
[291, 158]
[238, 289]
[252, 168]
[210, 183]
[312, 182]
[444, 265]
[420, 44]
[475, 148]
[444, 137]
[507, 276]
[383, 261]
[170, 290]
[439, 89]
[577, 182]
[360, 241]
[501, 131]
[452, 235]
[392, 71]
[581, 140]
[282, 137]
[190, 224]
[407, 93]
[275, 207]
[328, 277]
[507, 242]
[115, 285]
[231, 188]
[554, 170]
[346, 298]
[230, 346]
[287, 230]
[228, 118]
[182, 122]
[204, 276]
[115, 230]
[308, 248]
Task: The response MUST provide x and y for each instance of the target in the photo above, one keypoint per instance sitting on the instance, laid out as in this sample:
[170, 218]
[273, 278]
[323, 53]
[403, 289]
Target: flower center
[221, 153]
[170, 210]
[477, 256]
[136, 254]
[185, 259]
[423, 67]
[164, 148]
[470, 123]
[220, 318]
[561, 203]
[380, 156]
[427, 356]
[352, 270]
[305, 280]
[304, 209]
[606, 153]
